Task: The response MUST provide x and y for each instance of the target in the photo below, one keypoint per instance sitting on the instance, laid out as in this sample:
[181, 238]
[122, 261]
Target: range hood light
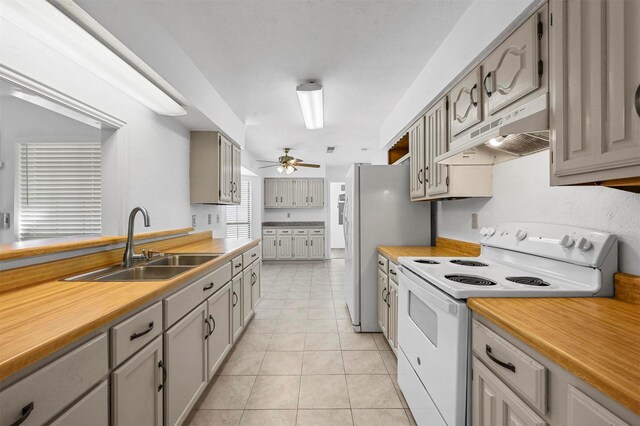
[496, 141]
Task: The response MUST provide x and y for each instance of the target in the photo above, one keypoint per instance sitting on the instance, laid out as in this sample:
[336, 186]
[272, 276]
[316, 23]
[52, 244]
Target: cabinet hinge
[540, 68]
[540, 32]
[447, 181]
[446, 105]
[219, 193]
[551, 20]
[551, 157]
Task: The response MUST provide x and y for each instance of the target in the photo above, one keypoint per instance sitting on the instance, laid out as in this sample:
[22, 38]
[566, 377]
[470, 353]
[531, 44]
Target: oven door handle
[428, 294]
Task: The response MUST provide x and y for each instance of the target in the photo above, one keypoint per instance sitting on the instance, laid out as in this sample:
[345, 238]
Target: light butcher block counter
[595, 339]
[444, 248]
[38, 320]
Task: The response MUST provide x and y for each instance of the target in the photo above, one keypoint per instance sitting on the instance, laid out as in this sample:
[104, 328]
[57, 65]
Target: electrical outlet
[474, 220]
[193, 221]
[209, 218]
[288, 215]
[218, 218]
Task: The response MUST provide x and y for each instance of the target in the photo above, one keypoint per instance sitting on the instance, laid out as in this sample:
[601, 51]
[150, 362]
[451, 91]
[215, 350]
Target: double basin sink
[164, 267]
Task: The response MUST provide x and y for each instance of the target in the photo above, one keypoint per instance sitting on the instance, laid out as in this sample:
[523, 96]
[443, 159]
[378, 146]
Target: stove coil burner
[427, 261]
[463, 262]
[528, 281]
[470, 280]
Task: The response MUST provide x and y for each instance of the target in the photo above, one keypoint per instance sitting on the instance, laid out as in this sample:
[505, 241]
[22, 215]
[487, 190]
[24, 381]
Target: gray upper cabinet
[186, 364]
[285, 192]
[466, 102]
[214, 170]
[293, 193]
[511, 71]
[301, 192]
[271, 197]
[436, 143]
[417, 166]
[316, 192]
[595, 78]
[137, 388]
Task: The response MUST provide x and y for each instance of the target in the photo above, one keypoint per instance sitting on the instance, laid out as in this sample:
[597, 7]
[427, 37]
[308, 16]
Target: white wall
[481, 23]
[521, 192]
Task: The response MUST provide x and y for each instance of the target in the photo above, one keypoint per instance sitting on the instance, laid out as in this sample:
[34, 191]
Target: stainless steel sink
[186, 259]
[145, 273]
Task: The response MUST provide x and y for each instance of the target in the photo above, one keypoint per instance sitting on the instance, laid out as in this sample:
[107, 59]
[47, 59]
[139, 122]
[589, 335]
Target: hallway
[300, 363]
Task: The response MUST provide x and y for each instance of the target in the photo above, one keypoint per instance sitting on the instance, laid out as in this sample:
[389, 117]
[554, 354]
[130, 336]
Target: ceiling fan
[287, 163]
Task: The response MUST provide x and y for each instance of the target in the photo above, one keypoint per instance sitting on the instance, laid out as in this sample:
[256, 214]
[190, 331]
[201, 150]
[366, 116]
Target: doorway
[336, 206]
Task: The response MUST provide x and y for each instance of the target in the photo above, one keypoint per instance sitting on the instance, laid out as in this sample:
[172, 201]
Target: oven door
[433, 332]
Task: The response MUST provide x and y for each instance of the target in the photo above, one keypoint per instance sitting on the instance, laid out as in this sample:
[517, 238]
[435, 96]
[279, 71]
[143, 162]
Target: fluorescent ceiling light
[310, 97]
[43, 21]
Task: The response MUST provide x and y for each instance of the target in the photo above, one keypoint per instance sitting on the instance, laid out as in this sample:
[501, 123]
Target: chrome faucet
[129, 255]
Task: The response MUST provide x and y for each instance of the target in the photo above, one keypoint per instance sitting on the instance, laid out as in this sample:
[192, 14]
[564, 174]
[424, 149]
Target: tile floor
[300, 363]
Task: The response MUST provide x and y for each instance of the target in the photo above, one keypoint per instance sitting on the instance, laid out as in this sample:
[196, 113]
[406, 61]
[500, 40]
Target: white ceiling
[364, 53]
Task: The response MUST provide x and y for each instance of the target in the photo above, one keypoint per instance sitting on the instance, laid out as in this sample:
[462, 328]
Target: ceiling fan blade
[315, 166]
[266, 161]
[297, 160]
[270, 165]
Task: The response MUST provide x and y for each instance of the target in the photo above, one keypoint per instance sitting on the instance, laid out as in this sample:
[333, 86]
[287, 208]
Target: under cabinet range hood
[519, 131]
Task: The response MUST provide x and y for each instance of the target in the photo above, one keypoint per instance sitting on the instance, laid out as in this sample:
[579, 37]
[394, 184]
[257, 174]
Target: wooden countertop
[596, 339]
[38, 320]
[444, 248]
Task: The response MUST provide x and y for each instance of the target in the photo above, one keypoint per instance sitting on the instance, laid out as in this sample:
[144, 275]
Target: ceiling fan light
[311, 103]
[280, 168]
[290, 169]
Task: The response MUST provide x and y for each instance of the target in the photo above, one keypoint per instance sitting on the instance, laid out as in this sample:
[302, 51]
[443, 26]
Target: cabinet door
[92, 409]
[437, 142]
[416, 160]
[219, 339]
[392, 303]
[236, 307]
[511, 70]
[137, 388]
[301, 192]
[382, 302]
[285, 192]
[269, 247]
[584, 411]
[493, 403]
[255, 287]
[186, 364]
[301, 246]
[595, 76]
[236, 166]
[466, 102]
[285, 247]
[271, 196]
[316, 247]
[247, 310]
[225, 166]
[316, 192]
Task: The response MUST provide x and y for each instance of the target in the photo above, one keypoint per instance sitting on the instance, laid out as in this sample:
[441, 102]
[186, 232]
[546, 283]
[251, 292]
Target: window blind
[59, 191]
[239, 217]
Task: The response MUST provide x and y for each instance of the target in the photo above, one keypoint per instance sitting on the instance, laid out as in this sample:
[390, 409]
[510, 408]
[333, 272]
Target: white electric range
[516, 260]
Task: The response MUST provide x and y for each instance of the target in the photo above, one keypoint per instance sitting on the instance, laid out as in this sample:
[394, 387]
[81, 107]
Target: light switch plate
[193, 221]
[209, 218]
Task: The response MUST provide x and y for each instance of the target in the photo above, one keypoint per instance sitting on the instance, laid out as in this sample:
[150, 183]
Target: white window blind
[59, 190]
[239, 217]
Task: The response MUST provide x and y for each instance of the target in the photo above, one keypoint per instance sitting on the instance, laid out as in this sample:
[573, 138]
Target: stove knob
[566, 241]
[484, 231]
[584, 244]
[490, 231]
[521, 235]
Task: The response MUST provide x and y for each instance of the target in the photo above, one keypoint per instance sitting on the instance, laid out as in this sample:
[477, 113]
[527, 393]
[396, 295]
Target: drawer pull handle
[380, 263]
[164, 375]
[506, 365]
[392, 272]
[254, 278]
[207, 287]
[254, 254]
[383, 295]
[26, 412]
[213, 327]
[236, 300]
[142, 333]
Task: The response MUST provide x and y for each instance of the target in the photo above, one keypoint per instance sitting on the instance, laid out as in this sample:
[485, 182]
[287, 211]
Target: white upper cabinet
[214, 170]
[293, 193]
[417, 153]
[595, 91]
[466, 102]
[437, 142]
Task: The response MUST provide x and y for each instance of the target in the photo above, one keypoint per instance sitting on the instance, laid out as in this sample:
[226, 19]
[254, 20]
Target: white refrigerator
[377, 211]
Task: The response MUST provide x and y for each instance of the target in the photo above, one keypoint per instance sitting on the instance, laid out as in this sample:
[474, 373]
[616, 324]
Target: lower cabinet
[256, 289]
[219, 338]
[301, 246]
[137, 388]
[185, 352]
[269, 247]
[392, 324]
[383, 310]
[316, 247]
[388, 300]
[293, 244]
[236, 307]
[247, 284]
[285, 247]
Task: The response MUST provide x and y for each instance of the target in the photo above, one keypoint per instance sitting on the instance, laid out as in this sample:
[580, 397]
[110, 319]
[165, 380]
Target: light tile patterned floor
[300, 363]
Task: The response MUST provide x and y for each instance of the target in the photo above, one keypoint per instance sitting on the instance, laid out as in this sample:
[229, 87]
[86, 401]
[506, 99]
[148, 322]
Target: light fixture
[290, 169]
[45, 22]
[497, 141]
[280, 168]
[310, 97]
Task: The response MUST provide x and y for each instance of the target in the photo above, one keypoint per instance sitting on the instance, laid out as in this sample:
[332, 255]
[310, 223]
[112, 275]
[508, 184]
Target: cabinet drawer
[268, 232]
[300, 231]
[52, 388]
[285, 232]
[132, 334]
[516, 368]
[383, 263]
[250, 256]
[92, 410]
[179, 304]
[236, 266]
[393, 272]
[316, 231]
